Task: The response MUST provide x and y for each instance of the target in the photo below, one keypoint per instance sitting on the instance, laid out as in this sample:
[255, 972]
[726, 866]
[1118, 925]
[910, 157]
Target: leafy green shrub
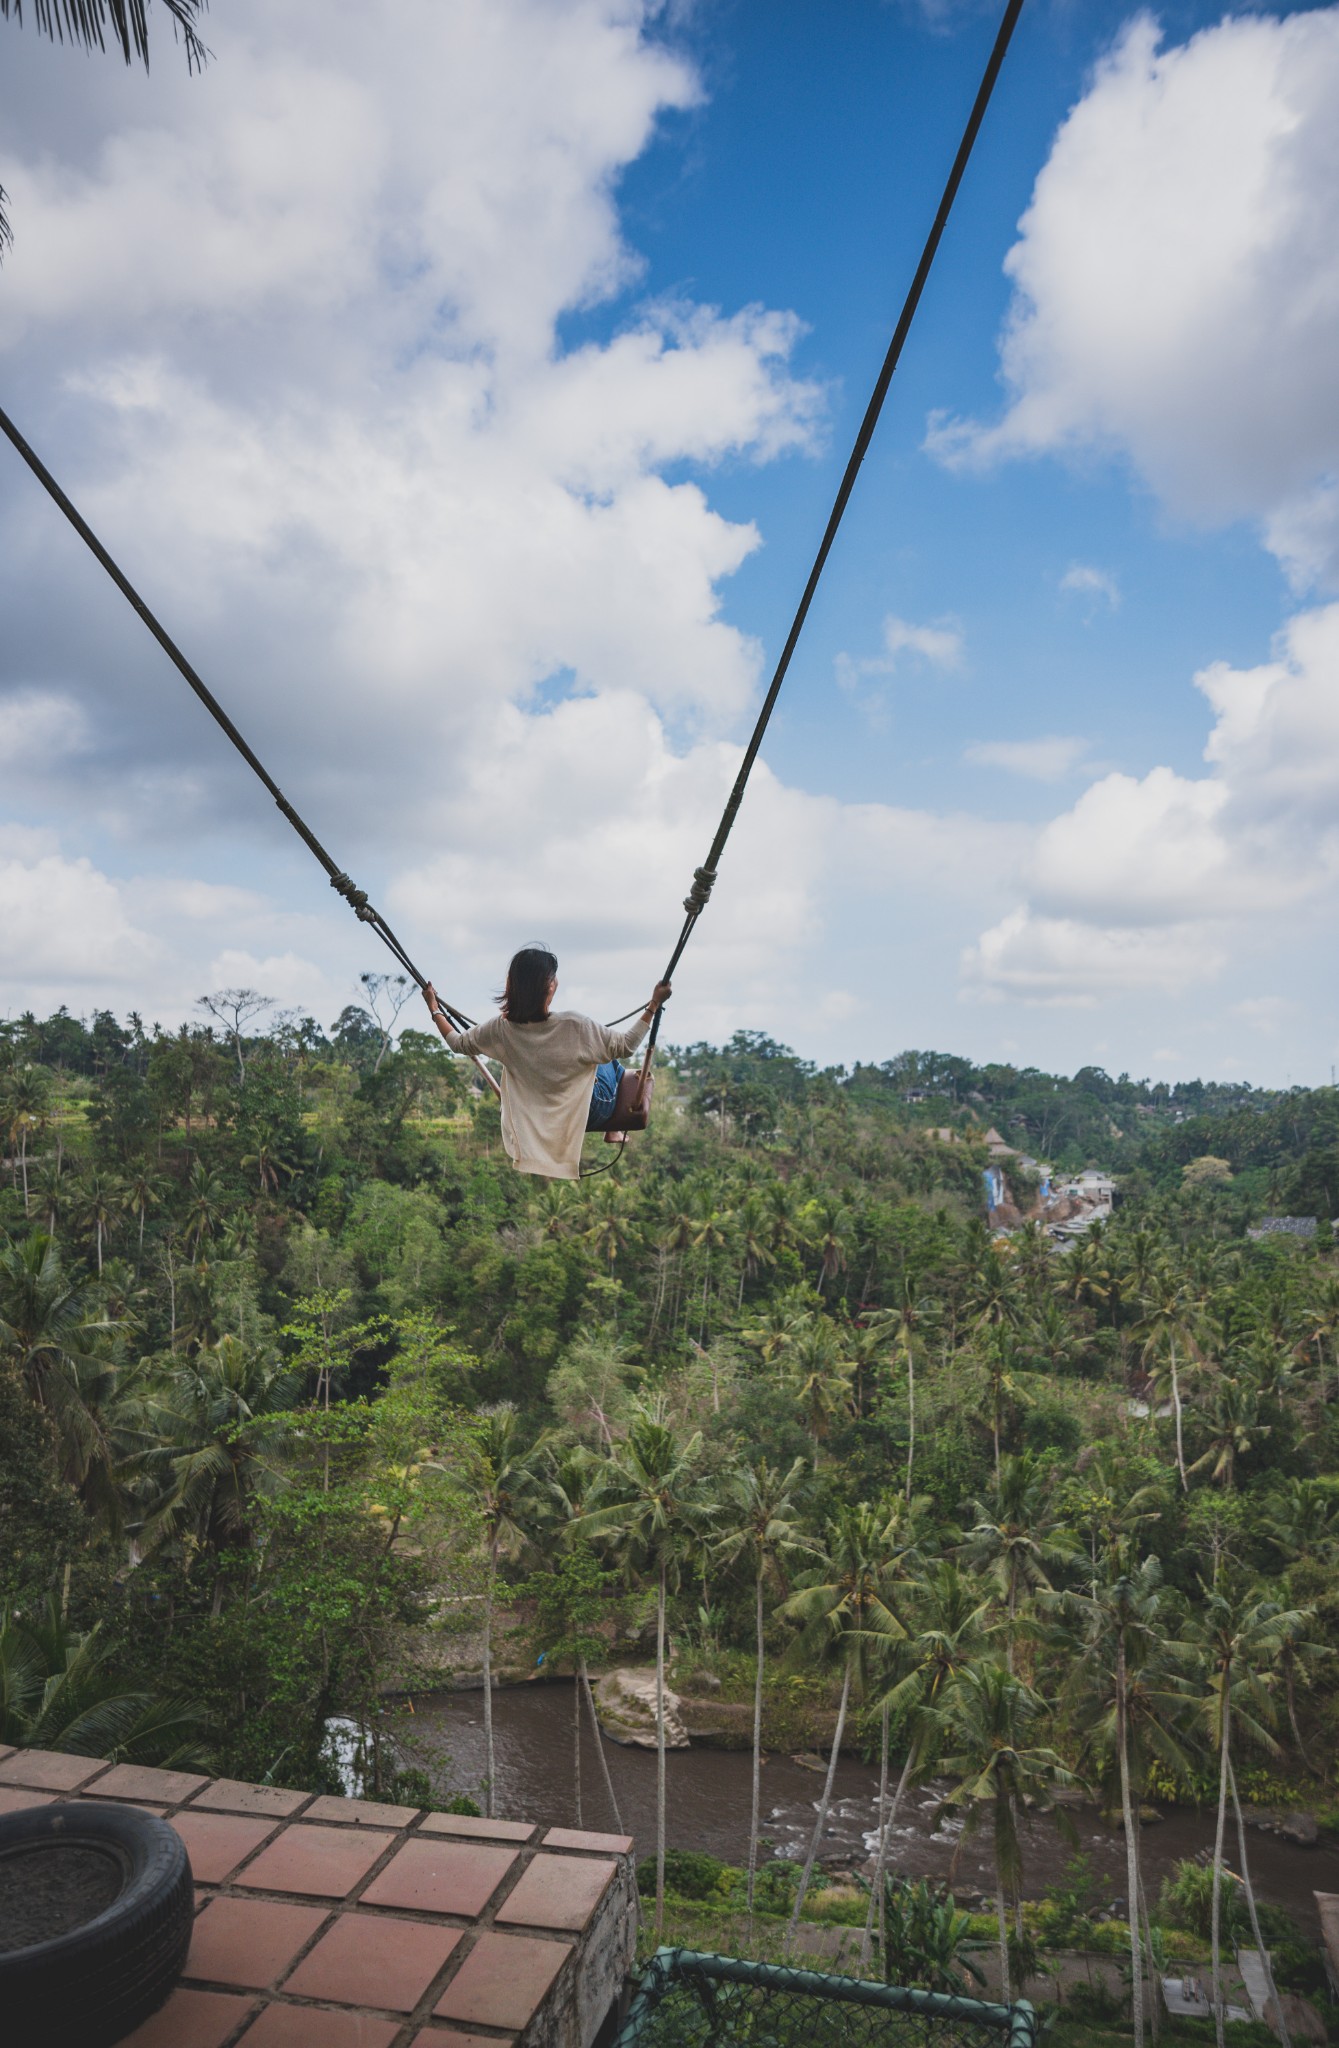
[1095, 2004]
[688, 1874]
[1186, 1901]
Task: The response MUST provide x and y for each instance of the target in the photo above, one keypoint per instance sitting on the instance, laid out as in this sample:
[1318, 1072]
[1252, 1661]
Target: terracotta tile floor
[441, 1877]
[370, 1959]
[331, 1923]
[251, 1942]
[217, 1842]
[322, 1863]
[557, 1891]
[502, 1980]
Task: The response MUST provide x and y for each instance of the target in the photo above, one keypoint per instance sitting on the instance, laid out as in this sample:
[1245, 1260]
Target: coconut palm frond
[88, 23]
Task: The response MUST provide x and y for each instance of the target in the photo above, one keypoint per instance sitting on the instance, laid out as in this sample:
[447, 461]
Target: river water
[708, 1794]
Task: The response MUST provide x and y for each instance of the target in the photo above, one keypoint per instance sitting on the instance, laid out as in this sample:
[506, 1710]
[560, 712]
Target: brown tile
[502, 1980]
[309, 2026]
[191, 2019]
[441, 1876]
[451, 2037]
[367, 1959]
[6, 1749]
[230, 1795]
[49, 1770]
[136, 1783]
[557, 1891]
[250, 1942]
[364, 1813]
[578, 1838]
[322, 1863]
[13, 1798]
[217, 1842]
[479, 1829]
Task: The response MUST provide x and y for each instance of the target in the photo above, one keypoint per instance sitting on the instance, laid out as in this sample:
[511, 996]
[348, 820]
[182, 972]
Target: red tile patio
[557, 1891]
[251, 1942]
[330, 1923]
[217, 1842]
[322, 1863]
[502, 1980]
[441, 1877]
[370, 1959]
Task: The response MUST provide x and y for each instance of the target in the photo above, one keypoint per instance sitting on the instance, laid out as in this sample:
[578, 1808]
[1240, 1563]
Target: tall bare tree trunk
[488, 1678]
[1262, 1951]
[876, 1889]
[1131, 1819]
[576, 1748]
[660, 1755]
[757, 1744]
[1180, 1442]
[599, 1745]
[911, 1419]
[1002, 1923]
[1215, 1925]
[823, 1805]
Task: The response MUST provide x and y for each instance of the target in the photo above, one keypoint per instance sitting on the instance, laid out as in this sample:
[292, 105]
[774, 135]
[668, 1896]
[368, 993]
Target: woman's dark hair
[527, 991]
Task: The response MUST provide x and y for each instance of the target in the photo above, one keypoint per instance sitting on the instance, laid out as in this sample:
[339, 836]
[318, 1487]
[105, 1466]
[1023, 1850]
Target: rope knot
[695, 902]
[344, 886]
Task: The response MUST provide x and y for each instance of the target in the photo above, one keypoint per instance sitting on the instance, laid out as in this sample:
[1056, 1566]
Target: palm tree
[948, 1625]
[570, 1486]
[219, 1422]
[1015, 1537]
[1236, 1639]
[56, 1692]
[27, 1094]
[765, 1530]
[204, 1206]
[1126, 1688]
[506, 1478]
[143, 1191]
[710, 1234]
[49, 1327]
[844, 1614]
[1234, 1427]
[904, 1322]
[608, 1230]
[101, 1200]
[1169, 1343]
[828, 1224]
[820, 1377]
[652, 1494]
[988, 1720]
[751, 1224]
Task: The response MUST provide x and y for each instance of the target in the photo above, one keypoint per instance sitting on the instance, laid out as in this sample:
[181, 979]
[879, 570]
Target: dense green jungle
[294, 1368]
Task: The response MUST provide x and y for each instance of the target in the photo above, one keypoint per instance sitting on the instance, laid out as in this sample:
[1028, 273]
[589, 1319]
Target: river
[708, 1794]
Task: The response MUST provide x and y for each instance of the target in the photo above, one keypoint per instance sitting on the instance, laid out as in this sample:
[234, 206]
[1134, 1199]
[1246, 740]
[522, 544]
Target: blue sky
[472, 408]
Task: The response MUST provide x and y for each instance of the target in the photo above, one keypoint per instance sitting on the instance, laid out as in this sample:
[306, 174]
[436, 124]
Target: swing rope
[704, 877]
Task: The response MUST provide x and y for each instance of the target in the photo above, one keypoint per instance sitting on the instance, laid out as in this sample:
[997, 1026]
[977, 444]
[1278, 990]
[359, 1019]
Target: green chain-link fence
[688, 2000]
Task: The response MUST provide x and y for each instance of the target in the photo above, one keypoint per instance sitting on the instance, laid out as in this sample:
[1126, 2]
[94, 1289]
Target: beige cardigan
[548, 1071]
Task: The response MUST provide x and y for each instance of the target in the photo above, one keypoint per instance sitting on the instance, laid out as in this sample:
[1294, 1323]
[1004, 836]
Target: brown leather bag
[632, 1104]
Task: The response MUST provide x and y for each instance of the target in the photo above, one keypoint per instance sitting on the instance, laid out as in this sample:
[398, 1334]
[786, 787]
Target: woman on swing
[560, 1071]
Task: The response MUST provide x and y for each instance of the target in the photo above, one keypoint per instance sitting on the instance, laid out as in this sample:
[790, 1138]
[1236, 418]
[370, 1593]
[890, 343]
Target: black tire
[96, 1982]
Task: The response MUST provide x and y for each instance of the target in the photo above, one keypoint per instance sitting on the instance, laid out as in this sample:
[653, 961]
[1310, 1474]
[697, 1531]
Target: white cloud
[1083, 580]
[1147, 881]
[38, 727]
[1176, 282]
[940, 645]
[65, 926]
[1049, 759]
[1064, 961]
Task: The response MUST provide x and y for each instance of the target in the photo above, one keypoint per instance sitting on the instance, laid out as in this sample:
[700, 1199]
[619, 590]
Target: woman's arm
[619, 1044]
